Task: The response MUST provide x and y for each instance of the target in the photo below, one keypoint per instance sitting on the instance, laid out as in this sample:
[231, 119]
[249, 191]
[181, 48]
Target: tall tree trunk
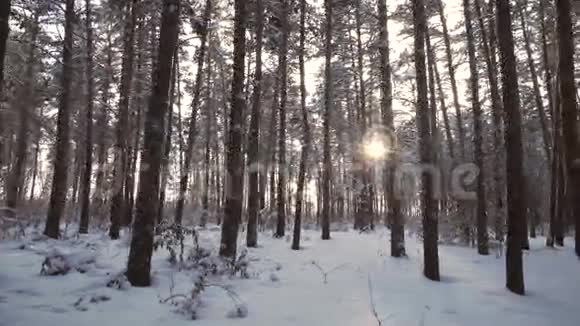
[364, 197]
[556, 182]
[489, 53]
[446, 123]
[255, 171]
[451, 68]
[569, 110]
[328, 98]
[394, 204]
[16, 180]
[283, 82]
[433, 129]
[273, 145]
[235, 184]
[184, 179]
[481, 218]
[535, 84]
[86, 187]
[36, 157]
[463, 209]
[60, 175]
[209, 111]
[4, 31]
[102, 126]
[120, 164]
[558, 187]
[137, 114]
[305, 129]
[175, 76]
[430, 233]
[514, 157]
[139, 265]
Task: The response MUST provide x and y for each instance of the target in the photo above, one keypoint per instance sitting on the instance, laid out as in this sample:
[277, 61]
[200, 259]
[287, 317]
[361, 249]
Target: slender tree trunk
[16, 179]
[255, 171]
[442, 104]
[558, 200]
[86, 187]
[545, 60]
[4, 31]
[184, 180]
[36, 157]
[59, 178]
[78, 166]
[209, 111]
[536, 87]
[394, 204]
[120, 164]
[139, 265]
[430, 233]
[138, 111]
[328, 98]
[167, 142]
[306, 130]
[364, 196]
[489, 52]
[235, 184]
[451, 68]
[273, 145]
[283, 76]
[514, 157]
[569, 110]
[482, 238]
[433, 129]
[463, 209]
[102, 127]
[556, 182]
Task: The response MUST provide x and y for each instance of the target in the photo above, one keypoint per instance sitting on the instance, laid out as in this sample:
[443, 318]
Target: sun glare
[375, 149]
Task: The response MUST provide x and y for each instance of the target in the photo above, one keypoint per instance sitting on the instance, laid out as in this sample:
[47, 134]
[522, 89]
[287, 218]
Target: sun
[375, 149]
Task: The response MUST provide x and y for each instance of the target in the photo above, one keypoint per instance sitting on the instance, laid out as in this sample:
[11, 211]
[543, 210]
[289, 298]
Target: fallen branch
[326, 273]
[373, 306]
[174, 296]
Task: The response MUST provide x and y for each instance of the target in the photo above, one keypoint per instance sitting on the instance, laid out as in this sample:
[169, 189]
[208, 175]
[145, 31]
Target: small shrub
[118, 281]
[55, 265]
[239, 311]
[171, 236]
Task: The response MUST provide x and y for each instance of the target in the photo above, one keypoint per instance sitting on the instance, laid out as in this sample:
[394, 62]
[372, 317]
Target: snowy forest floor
[285, 287]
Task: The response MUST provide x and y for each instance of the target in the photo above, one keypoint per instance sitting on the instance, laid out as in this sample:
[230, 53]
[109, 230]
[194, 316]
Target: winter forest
[289, 162]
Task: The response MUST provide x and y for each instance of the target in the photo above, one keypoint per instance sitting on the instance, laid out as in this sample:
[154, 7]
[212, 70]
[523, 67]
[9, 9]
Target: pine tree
[306, 131]
[536, 86]
[394, 205]
[283, 82]
[118, 200]
[327, 165]
[234, 163]
[15, 189]
[514, 153]
[60, 175]
[4, 31]
[255, 171]
[86, 187]
[482, 241]
[139, 264]
[184, 179]
[452, 77]
[569, 109]
[489, 53]
[430, 233]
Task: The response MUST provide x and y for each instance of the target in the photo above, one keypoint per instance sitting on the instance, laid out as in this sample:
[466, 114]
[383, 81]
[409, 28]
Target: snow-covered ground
[288, 287]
